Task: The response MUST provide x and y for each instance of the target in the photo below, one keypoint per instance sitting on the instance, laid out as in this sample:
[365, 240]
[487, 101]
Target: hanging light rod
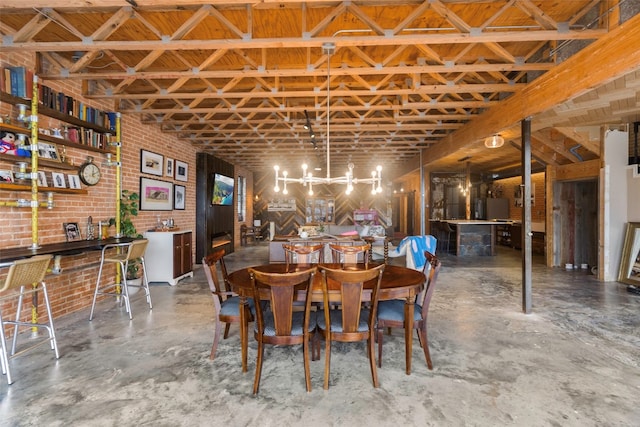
[348, 178]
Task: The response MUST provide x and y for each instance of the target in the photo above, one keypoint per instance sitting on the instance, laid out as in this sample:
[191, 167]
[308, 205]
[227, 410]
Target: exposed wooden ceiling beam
[361, 71]
[619, 47]
[257, 94]
[300, 42]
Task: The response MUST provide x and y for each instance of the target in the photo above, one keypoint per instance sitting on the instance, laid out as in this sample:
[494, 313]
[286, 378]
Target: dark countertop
[62, 248]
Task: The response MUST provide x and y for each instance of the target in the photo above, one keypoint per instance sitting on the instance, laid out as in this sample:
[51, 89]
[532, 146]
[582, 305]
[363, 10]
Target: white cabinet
[168, 257]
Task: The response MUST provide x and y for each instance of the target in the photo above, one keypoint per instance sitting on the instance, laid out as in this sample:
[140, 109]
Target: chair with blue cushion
[226, 303]
[280, 324]
[391, 312]
[352, 322]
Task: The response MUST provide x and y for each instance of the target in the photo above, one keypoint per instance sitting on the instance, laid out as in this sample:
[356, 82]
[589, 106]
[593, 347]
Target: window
[242, 198]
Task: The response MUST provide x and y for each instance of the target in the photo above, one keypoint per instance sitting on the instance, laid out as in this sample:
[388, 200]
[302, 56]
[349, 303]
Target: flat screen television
[222, 190]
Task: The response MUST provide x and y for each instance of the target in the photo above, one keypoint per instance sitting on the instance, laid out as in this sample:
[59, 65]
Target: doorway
[404, 214]
[575, 219]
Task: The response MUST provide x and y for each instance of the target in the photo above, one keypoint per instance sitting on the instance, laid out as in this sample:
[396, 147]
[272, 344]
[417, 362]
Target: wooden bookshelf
[49, 138]
[26, 187]
[41, 162]
[50, 112]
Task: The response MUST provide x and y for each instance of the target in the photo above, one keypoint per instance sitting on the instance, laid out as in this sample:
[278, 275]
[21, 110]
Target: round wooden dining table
[397, 283]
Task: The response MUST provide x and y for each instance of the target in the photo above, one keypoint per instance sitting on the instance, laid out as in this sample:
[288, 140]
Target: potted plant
[129, 202]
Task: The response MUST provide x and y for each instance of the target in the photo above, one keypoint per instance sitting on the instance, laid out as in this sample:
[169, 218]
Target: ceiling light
[307, 177]
[495, 141]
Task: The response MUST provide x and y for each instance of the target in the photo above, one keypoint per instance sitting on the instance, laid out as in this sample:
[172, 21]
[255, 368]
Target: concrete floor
[574, 362]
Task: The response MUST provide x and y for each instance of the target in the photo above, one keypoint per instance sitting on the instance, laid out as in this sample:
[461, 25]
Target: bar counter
[475, 237]
[62, 248]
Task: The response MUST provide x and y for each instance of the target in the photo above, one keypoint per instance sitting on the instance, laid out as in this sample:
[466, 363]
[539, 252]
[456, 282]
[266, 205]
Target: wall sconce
[495, 141]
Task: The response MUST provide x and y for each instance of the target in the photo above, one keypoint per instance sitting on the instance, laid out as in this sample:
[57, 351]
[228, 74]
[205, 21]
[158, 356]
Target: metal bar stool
[28, 274]
[135, 253]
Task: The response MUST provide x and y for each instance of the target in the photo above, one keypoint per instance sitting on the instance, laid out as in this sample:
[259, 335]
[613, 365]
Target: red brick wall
[72, 290]
[538, 210]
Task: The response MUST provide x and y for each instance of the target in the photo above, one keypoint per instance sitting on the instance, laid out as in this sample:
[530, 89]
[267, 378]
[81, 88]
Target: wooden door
[186, 253]
[177, 255]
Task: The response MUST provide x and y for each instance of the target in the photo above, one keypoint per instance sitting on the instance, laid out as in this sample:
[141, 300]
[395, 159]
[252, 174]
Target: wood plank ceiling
[238, 78]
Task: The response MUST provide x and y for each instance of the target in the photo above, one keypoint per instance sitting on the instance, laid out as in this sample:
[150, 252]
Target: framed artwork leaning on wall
[71, 231]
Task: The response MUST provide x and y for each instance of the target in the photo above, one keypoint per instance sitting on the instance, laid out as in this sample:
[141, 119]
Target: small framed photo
[182, 171]
[48, 151]
[42, 179]
[151, 163]
[6, 176]
[168, 167]
[71, 231]
[58, 180]
[74, 181]
[179, 193]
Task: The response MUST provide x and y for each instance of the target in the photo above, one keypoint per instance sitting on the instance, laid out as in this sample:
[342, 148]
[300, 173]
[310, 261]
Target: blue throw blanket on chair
[413, 247]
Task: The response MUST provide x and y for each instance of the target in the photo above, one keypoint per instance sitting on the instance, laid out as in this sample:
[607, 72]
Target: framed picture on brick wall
[179, 195]
[151, 163]
[182, 171]
[155, 195]
[169, 167]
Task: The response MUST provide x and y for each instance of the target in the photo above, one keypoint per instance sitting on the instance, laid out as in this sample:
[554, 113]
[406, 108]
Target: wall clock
[89, 172]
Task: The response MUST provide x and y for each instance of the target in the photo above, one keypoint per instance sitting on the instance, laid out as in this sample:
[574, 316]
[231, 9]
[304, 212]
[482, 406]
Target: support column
[526, 214]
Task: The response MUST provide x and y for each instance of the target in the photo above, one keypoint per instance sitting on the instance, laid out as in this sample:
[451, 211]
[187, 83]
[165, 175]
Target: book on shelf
[17, 81]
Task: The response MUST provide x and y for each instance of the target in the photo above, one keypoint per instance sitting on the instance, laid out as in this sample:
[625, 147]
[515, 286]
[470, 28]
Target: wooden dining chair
[282, 325]
[247, 233]
[391, 312]
[295, 254]
[226, 303]
[343, 254]
[351, 322]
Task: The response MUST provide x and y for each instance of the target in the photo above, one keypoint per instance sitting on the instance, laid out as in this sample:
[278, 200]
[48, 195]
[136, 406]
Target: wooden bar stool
[134, 253]
[28, 275]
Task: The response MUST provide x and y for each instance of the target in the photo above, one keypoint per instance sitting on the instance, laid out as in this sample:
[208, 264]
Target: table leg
[408, 331]
[244, 331]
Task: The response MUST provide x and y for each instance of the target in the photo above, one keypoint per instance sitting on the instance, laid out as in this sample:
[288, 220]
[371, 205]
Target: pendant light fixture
[348, 178]
[495, 141]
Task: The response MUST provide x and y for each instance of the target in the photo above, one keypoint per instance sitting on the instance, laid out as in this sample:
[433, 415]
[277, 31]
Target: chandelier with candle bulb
[307, 178]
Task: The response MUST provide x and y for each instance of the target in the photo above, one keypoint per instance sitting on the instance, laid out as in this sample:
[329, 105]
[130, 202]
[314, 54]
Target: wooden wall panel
[288, 222]
[210, 219]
